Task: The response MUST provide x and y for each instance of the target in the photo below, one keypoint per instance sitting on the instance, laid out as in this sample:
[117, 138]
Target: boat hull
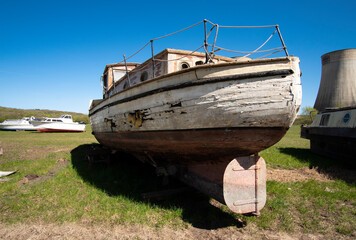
[207, 113]
[60, 127]
[17, 125]
[24, 127]
[57, 130]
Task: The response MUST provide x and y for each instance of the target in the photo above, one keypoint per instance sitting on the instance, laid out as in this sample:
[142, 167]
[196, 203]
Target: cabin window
[144, 76]
[118, 74]
[324, 120]
[199, 63]
[184, 65]
[105, 81]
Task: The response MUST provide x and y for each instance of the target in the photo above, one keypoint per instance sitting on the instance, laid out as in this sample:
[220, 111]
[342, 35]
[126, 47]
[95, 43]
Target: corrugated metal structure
[333, 131]
[338, 80]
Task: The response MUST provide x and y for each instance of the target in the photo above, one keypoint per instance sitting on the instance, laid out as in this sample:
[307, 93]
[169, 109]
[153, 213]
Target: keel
[241, 184]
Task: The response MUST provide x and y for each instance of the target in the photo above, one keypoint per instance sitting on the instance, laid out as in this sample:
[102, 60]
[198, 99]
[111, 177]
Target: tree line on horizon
[15, 113]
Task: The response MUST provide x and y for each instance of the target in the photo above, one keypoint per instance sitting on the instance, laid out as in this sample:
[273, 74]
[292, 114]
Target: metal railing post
[205, 43]
[127, 72]
[280, 37]
[153, 60]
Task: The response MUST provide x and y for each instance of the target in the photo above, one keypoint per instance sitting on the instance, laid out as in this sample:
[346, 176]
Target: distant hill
[15, 113]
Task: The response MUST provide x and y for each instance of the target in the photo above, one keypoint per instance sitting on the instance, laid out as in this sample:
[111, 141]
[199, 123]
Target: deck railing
[214, 48]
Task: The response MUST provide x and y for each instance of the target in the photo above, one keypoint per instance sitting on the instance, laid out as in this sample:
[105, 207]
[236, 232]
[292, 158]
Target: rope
[207, 54]
[228, 50]
[177, 31]
[137, 52]
[213, 46]
[216, 35]
[271, 53]
[211, 29]
[160, 38]
[267, 26]
[262, 44]
[209, 22]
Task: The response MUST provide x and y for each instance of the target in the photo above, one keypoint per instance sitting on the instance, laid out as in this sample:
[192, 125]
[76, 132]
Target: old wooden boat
[200, 117]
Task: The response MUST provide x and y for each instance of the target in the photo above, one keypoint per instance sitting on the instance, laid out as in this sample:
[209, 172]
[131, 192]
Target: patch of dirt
[305, 174]
[61, 163]
[295, 175]
[31, 178]
[37, 231]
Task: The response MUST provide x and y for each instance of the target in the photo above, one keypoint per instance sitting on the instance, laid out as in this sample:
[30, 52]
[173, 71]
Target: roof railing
[214, 48]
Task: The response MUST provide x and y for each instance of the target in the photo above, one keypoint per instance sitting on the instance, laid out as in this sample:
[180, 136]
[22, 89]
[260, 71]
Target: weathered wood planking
[270, 101]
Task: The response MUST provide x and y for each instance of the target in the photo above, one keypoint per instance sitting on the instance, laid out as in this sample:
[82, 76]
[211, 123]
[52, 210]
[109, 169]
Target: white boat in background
[62, 124]
[24, 124]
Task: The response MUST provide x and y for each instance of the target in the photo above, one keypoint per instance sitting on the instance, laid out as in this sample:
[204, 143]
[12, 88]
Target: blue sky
[52, 53]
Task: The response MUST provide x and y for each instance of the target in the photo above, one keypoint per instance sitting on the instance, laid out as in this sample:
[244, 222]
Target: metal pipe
[280, 37]
[113, 79]
[153, 60]
[127, 72]
[216, 35]
[205, 43]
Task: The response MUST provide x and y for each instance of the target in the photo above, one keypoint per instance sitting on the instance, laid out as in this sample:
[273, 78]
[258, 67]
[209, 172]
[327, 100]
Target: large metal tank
[338, 80]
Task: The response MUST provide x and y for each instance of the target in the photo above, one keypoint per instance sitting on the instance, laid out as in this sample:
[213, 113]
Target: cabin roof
[167, 51]
[120, 65]
[185, 52]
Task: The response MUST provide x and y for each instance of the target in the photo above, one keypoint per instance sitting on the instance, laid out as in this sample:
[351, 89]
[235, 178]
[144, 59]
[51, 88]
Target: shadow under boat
[126, 176]
[341, 170]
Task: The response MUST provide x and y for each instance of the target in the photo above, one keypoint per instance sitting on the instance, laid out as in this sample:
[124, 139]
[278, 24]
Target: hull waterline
[193, 146]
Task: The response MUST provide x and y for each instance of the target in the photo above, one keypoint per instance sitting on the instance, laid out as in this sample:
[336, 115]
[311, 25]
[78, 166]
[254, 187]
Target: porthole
[346, 118]
[199, 63]
[184, 65]
[144, 76]
[324, 120]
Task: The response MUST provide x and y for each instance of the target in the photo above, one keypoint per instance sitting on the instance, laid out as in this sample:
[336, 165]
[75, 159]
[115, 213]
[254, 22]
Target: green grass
[293, 152]
[70, 190]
